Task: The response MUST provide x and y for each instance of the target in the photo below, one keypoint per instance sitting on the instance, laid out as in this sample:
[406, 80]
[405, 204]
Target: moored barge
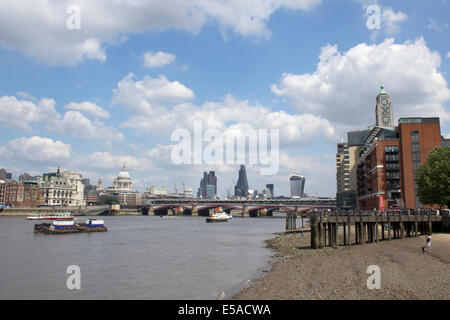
[63, 227]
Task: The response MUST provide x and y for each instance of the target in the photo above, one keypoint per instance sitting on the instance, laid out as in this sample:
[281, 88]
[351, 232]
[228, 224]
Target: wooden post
[402, 227]
[376, 226]
[361, 229]
[287, 221]
[320, 230]
[329, 232]
[336, 230]
[315, 235]
[349, 242]
[345, 233]
[389, 224]
[430, 231]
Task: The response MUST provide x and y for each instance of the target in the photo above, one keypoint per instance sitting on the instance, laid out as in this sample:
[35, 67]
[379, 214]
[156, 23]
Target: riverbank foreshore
[301, 273]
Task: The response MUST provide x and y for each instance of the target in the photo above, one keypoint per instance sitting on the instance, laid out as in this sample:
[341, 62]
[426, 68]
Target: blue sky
[309, 68]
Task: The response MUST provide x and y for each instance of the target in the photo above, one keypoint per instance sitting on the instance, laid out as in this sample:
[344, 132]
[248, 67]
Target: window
[415, 149]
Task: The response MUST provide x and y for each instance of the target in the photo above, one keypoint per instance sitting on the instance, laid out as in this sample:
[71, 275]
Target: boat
[218, 217]
[59, 216]
[63, 227]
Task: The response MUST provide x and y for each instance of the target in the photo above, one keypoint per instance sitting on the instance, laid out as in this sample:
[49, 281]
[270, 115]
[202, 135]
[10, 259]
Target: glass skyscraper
[208, 186]
[241, 188]
[297, 185]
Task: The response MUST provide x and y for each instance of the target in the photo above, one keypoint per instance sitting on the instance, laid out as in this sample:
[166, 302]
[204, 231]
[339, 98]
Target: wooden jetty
[359, 227]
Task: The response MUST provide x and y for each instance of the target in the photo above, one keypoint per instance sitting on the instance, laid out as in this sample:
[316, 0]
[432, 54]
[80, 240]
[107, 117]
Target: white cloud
[391, 20]
[106, 160]
[448, 55]
[88, 108]
[146, 96]
[38, 28]
[35, 149]
[433, 25]
[155, 109]
[19, 114]
[158, 59]
[75, 124]
[344, 86]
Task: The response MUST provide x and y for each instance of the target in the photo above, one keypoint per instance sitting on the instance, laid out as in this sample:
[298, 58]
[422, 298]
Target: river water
[140, 257]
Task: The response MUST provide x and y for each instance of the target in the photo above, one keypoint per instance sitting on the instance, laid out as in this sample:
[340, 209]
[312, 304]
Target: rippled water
[140, 257]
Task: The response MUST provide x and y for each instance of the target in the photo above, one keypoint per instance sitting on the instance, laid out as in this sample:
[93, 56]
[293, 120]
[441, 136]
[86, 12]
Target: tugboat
[218, 216]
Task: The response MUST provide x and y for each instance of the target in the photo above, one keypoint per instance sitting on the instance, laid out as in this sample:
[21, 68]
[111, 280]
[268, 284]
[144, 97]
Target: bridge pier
[194, 210]
[151, 211]
[245, 211]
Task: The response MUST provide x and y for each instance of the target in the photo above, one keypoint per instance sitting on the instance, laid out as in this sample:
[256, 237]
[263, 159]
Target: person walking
[427, 243]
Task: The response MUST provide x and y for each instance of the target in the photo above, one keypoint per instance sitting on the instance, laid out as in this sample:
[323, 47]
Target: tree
[433, 178]
[108, 199]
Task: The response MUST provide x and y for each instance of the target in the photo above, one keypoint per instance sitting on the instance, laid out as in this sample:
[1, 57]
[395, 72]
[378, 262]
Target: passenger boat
[62, 216]
[218, 217]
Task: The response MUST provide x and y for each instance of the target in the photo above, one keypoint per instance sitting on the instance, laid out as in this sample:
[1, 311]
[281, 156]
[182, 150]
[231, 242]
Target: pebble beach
[300, 273]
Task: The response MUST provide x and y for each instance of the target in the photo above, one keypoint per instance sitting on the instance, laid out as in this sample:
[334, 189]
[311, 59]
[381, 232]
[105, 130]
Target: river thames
[140, 257]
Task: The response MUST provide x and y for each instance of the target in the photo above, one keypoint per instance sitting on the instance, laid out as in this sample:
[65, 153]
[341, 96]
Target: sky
[90, 85]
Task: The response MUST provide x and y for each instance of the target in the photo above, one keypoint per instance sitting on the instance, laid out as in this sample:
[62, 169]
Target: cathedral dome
[123, 175]
[123, 181]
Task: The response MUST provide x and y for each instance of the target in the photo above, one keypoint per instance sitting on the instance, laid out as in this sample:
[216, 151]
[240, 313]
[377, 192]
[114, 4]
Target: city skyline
[90, 99]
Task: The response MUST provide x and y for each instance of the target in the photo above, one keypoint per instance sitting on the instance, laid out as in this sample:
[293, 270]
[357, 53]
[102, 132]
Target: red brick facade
[377, 175]
[386, 168]
[428, 134]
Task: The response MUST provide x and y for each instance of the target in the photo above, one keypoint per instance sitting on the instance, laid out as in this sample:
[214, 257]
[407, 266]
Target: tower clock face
[385, 119]
[384, 101]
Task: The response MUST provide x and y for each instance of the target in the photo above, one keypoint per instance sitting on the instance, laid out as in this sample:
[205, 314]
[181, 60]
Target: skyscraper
[297, 185]
[208, 185]
[241, 188]
[270, 188]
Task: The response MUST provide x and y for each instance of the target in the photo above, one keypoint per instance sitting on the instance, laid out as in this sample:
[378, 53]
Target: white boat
[218, 217]
[51, 216]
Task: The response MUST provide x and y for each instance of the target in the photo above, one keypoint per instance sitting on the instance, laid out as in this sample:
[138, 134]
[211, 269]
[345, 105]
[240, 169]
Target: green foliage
[108, 200]
[433, 178]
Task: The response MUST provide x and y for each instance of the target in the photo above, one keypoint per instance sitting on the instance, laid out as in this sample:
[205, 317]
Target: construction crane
[176, 190]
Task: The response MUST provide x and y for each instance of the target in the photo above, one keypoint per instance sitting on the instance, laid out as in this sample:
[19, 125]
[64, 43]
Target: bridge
[247, 208]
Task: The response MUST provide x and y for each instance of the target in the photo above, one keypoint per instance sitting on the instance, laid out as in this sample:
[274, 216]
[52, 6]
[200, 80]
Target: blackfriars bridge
[247, 208]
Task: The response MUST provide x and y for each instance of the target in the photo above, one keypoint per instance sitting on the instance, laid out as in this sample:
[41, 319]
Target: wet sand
[301, 273]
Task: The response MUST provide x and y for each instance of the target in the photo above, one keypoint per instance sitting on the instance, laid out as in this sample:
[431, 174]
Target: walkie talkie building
[297, 185]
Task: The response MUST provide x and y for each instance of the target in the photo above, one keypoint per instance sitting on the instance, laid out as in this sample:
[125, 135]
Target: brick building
[418, 137]
[379, 175]
[386, 168]
[21, 194]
